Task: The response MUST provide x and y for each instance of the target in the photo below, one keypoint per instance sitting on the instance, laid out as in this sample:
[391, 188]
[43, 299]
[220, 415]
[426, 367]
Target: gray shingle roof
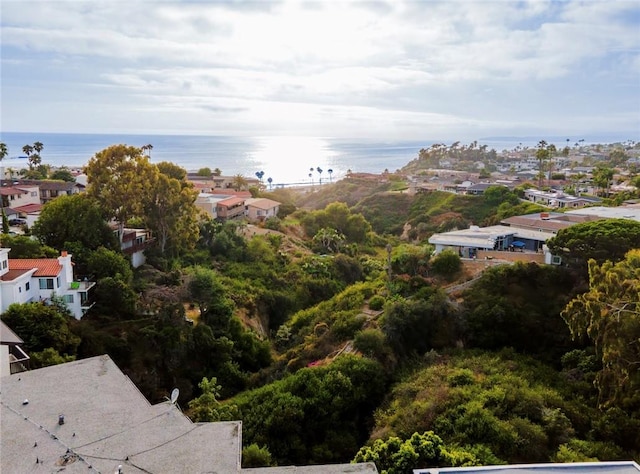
[107, 422]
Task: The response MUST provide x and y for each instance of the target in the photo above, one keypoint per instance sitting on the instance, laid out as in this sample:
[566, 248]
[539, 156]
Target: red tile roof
[47, 267]
[231, 201]
[8, 191]
[27, 208]
[13, 274]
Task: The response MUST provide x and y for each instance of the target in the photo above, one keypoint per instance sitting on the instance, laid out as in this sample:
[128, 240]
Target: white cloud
[397, 64]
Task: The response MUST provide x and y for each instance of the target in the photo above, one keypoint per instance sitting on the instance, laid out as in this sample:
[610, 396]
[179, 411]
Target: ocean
[286, 160]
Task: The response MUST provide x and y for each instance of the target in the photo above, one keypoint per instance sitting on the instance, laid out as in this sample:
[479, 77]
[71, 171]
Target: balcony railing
[18, 360]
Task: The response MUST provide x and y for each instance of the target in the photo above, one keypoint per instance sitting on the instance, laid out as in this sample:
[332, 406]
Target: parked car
[17, 222]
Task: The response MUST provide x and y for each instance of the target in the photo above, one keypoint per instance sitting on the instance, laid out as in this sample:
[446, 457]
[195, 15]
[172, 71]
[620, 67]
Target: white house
[133, 244]
[37, 279]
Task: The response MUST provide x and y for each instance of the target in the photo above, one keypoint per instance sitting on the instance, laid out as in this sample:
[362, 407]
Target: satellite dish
[174, 395]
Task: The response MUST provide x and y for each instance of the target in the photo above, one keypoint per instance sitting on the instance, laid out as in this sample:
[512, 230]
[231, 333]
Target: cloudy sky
[388, 70]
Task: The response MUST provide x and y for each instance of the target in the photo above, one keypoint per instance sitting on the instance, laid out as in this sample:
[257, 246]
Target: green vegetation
[601, 240]
[335, 334]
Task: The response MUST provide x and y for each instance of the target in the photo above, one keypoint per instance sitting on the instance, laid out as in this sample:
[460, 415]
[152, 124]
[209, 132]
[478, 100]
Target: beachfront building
[24, 280]
[87, 416]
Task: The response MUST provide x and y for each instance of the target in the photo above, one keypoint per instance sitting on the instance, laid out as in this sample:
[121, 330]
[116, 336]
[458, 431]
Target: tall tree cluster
[127, 186]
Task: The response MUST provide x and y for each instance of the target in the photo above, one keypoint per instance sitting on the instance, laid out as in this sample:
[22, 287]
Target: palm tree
[259, 175]
[38, 146]
[148, 147]
[4, 151]
[319, 170]
[27, 149]
[239, 182]
[270, 180]
[311, 177]
[541, 154]
[330, 171]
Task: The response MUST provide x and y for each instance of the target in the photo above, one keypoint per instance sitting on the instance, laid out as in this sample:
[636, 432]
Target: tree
[602, 177]
[239, 182]
[542, 154]
[120, 178]
[270, 180]
[605, 239]
[207, 292]
[259, 175]
[505, 308]
[446, 264]
[170, 210]
[207, 407]
[74, 218]
[328, 240]
[330, 171]
[418, 325]
[27, 150]
[339, 217]
[206, 172]
[147, 149]
[395, 456]
[103, 263]
[609, 315]
[319, 170]
[63, 174]
[25, 247]
[3, 152]
[42, 326]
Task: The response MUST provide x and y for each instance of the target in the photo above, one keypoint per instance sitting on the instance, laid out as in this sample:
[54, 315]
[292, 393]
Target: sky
[384, 70]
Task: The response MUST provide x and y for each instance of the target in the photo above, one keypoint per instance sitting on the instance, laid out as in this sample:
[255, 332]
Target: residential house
[13, 358]
[133, 244]
[215, 183]
[207, 202]
[37, 279]
[16, 195]
[230, 208]
[87, 416]
[467, 242]
[546, 221]
[51, 189]
[259, 209]
[558, 199]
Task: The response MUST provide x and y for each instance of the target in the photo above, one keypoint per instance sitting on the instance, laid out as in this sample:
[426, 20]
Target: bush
[256, 456]
[376, 302]
[446, 264]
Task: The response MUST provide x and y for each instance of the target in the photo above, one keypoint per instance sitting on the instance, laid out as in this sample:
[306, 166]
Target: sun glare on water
[290, 160]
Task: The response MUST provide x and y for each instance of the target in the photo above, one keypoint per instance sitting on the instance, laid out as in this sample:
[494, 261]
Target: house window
[556, 260]
[67, 298]
[19, 289]
[27, 286]
[34, 193]
[4, 264]
[58, 282]
[46, 283]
